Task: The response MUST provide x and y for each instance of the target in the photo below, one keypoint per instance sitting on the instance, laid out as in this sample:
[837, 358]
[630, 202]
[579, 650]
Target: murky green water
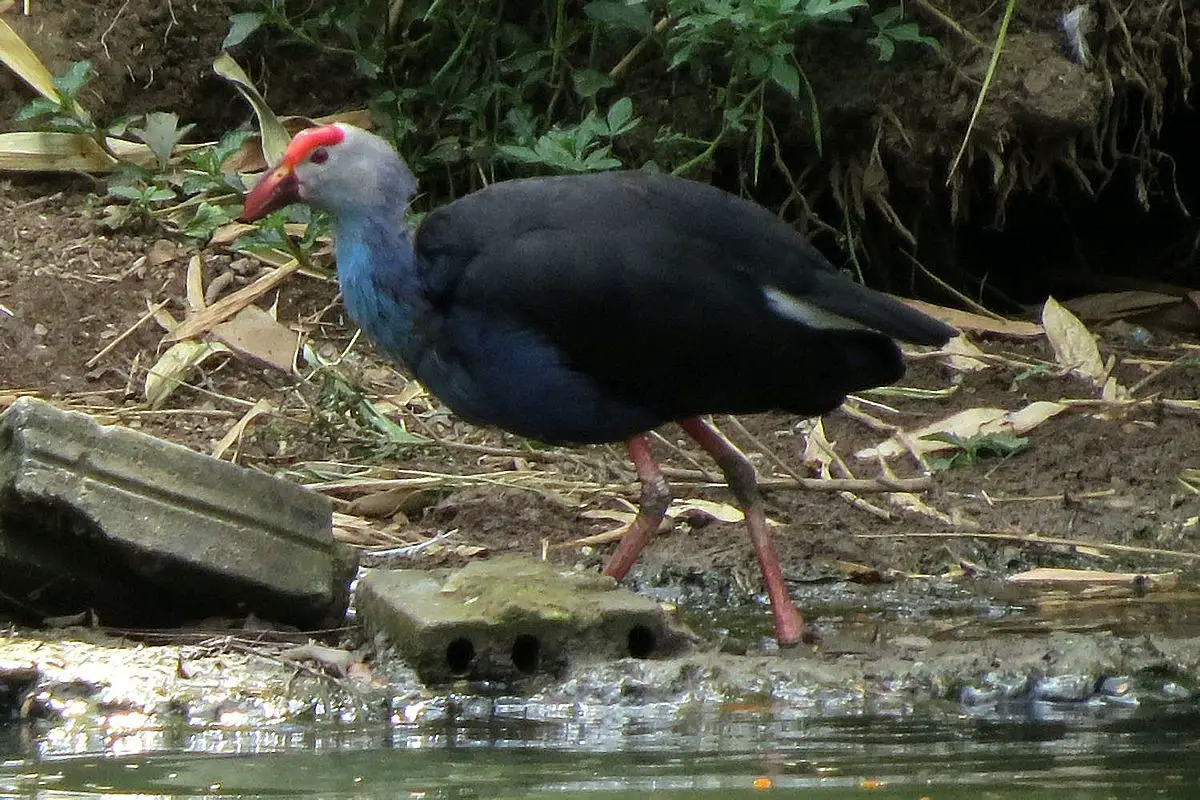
[726, 754]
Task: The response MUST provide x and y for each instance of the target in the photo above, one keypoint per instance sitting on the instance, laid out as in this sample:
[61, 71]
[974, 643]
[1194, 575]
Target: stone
[149, 533]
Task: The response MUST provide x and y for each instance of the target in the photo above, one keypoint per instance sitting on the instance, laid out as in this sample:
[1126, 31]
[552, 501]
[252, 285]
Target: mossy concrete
[509, 618]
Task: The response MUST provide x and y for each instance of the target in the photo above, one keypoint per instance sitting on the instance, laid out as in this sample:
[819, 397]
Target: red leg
[656, 496]
[739, 473]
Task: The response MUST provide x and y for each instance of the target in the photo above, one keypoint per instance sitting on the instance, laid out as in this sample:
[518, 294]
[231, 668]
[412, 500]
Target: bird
[595, 308]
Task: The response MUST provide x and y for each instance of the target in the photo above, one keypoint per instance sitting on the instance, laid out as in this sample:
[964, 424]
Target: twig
[951, 23]
[941, 284]
[229, 305]
[1033, 538]
[624, 64]
[1158, 373]
[149, 315]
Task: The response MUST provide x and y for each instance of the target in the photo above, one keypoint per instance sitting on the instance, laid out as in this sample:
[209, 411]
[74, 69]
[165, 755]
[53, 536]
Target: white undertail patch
[791, 307]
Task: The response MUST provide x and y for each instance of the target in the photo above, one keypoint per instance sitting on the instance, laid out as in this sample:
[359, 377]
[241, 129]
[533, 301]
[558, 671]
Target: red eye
[319, 156]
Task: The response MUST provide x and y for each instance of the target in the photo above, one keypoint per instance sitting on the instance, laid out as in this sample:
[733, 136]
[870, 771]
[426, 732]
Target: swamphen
[594, 308]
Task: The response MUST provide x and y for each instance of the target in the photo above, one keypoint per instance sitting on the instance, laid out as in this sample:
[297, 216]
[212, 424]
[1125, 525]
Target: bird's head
[337, 168]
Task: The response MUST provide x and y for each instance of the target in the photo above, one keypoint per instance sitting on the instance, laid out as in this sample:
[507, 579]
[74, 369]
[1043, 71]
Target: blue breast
[485, 367]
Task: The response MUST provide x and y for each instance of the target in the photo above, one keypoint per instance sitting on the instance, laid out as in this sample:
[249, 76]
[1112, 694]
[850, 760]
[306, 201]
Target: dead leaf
[195, 285]
[1074, 346]
[256, 335]
[17, 55]
[175, 366]
[234, 434]
[963, 355]
[1114, 305]
[965, 424]
[967, 321]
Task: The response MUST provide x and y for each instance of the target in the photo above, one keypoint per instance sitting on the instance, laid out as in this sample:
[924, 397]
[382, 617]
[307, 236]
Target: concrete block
[146, 532]
[508, 618]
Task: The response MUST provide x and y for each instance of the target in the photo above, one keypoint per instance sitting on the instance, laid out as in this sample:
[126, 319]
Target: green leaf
[366, 67]
[125, 191]
[520, 153]
[589, 82]
[620, 117]
[786, 76]
[160, 195]
[275, 137]
[69, 83]
[632, 15]
[241, 26]
[207, 219]
[885, 46]
[35, 108]
[161, 134]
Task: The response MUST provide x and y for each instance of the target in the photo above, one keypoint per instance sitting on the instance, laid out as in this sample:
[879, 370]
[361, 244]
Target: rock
[509, 618]
[148, 533]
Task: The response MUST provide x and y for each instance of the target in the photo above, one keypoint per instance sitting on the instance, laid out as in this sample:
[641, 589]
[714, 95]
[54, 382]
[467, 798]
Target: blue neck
[380, 286]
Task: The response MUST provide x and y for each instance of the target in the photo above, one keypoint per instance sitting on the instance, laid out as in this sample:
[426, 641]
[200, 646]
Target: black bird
[594, 308]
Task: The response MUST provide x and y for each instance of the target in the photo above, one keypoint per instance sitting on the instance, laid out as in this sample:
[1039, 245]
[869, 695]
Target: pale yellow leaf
[967, 321]
[195, 284]
[234, 434]
[966, 424]
[1086, 577]
[963, 355]
[1074, 346]
[175, 366]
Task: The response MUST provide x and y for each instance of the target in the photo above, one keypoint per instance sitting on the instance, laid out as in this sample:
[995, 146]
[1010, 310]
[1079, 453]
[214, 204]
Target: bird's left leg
[739, 473]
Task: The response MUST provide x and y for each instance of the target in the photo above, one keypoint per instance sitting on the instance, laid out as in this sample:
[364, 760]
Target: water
[726, 753]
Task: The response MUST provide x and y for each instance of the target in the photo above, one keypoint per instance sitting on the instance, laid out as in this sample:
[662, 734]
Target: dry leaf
[966, 321]
[234, 434]
[230, 304]
[21, 59]
[195, 285]
[964, 425]
[175, 366]
[1074, 346]
[256, 335]
[963, 355]
[1114, 305]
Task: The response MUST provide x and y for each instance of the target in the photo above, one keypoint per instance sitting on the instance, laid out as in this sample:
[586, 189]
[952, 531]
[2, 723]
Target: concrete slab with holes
[508, 618]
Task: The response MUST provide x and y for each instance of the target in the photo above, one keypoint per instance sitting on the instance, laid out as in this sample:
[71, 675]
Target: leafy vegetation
[476, 89]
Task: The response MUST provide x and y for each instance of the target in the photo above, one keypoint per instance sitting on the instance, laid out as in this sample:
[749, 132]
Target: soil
[1095, 476]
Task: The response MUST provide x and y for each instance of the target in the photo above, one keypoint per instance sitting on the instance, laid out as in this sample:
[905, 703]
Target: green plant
[888, 34]
[586, 147]
[973, 449]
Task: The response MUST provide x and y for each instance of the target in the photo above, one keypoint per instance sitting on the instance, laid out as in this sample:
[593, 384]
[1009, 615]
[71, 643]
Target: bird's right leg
[656, 496]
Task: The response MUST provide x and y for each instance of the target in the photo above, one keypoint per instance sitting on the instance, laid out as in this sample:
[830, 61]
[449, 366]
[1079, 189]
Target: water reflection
[725, 752]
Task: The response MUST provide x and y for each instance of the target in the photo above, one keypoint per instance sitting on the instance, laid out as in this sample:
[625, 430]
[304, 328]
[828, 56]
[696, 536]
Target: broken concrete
[148, 533]
[510, 618]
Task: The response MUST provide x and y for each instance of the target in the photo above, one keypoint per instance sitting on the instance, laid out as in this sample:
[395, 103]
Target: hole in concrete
[526, 653]
[459, 655]
[641, 641]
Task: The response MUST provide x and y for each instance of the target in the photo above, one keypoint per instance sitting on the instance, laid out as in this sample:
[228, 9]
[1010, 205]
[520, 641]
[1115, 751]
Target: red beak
[276, 189]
